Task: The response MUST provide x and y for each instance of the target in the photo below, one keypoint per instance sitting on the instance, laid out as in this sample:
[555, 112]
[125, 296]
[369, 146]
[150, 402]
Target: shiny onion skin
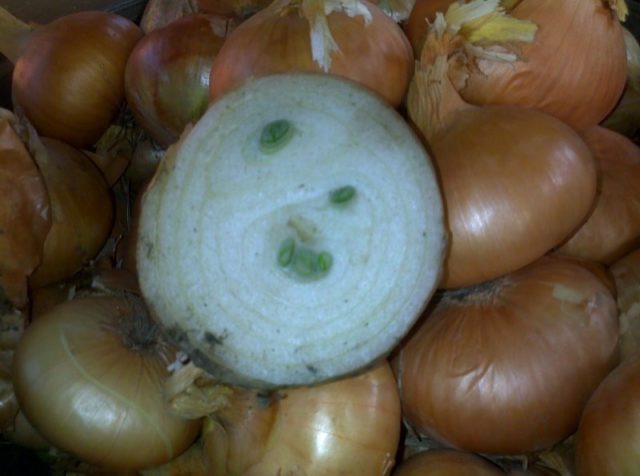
[348, 427]
[560, 67]
[506, 367]
[626, 275]
[516, 183]
[613, 227]
[275, 40]
[446, 462]
[82, 211]
[167, 75]
[607, 438]
[89, 375]
[69, 80]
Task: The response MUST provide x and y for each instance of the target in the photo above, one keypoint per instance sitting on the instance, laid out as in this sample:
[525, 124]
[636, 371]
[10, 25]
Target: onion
[25, 214]
[422, 14]
[613, 227]
[607, 439]
[82, 210]
[167, 74]
[351, 426]
[507, 366]
[626, 274]
[446, 462]
[68, 75]
[88, 376]
[516, 182]
[556, 73]
[363, 45]
[287, 239]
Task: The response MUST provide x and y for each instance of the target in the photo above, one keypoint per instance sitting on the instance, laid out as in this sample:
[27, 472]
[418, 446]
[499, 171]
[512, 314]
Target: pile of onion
[355, 40]
[516, 182]
[274, 200]
[68, 74]
[506, 367]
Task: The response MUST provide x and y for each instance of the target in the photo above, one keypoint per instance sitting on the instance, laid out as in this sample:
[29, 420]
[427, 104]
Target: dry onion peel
[309, 240]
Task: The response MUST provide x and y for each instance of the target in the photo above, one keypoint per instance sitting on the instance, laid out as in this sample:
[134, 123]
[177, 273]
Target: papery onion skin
[377, 55]
[607, 439]
[506, 367]
[516, 183]
[82, 210]
[423, 12]
[559, 69]
[95, 395]
[613, 227]
[347, 427]
[446, 462]
[167, 75]
[70, 79]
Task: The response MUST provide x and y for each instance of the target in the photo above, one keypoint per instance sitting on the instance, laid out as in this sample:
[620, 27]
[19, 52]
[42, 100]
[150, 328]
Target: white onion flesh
[218, 210]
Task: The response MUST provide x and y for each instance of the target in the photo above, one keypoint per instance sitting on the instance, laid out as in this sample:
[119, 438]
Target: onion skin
[70, 79]
[347, 427]
[516, 183]
[377, 55]
[94, 394]
[560, 68]
[613, 227]
[607, 439]
[507, 367]
[445, 462]
[82, 211]
[416, 25]
[167, 75]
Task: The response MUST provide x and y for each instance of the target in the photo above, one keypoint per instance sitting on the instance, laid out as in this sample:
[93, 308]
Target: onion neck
[14, 35]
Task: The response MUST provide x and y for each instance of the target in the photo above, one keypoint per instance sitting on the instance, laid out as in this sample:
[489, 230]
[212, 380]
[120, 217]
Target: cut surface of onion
[294, 234]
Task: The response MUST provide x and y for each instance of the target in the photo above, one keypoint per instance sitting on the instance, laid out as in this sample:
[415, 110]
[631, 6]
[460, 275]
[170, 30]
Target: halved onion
[289, 239]
[507, 366]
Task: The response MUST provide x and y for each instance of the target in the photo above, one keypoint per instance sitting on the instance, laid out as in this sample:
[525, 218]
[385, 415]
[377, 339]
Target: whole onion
[447, 462]
[507, 366]
[626, 274]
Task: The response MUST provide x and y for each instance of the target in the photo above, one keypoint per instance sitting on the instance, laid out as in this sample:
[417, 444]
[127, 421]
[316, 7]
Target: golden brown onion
[350, 426]
[507, 366]
[374, 53]
[70, 77]
[556, 73]
[167, 74]
[446, 462]
[81, 207]
[626, 273]
[89, 375]
[613, 227]
[607, 439]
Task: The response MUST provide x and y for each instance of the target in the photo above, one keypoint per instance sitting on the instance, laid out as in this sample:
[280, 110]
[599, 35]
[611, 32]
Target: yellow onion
[88, 375]
[507, 366]
[350, 426]
[422, 13]
[82, 210]
[612, 228]
[447, 462]
[558, 71]
[167, 74]
[516, 182]
[607, 438]
[626, 274]
[366, 46]
[69, 74]
[25, 214]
